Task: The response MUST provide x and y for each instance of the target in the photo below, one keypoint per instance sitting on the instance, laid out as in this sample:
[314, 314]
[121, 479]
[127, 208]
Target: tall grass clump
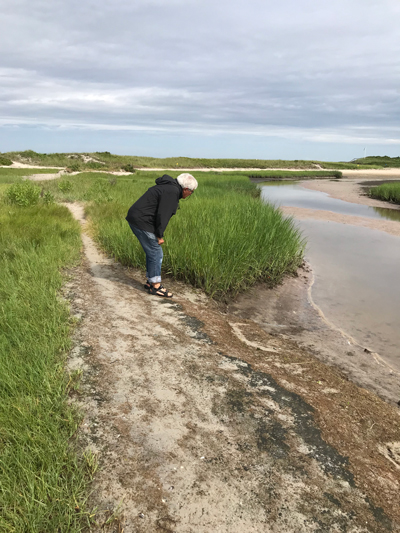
[43, 480]
[390, 192]
[231, 244]
[23, 194]
[223, 238]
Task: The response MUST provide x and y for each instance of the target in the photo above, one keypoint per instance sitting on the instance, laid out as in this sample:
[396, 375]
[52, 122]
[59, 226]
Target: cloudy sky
[293, 79]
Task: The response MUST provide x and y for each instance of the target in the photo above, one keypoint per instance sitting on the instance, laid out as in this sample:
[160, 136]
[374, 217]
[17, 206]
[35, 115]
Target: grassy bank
[295, 174]
[107, 161]
[223, 238]
[390, 192]
[43, 481]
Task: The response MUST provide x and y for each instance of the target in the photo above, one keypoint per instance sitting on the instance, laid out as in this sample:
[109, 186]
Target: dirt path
[204, 422]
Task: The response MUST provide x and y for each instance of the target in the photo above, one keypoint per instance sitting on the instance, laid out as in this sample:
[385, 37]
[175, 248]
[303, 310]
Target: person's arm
[167, 205]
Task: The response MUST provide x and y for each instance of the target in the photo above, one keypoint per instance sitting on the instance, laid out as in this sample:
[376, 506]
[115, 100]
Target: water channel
[356, 269]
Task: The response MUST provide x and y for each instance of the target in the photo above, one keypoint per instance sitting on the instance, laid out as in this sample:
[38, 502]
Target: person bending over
[149, 216]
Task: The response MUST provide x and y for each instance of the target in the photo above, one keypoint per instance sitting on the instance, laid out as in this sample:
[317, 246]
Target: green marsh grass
[43, 481]
[223, 238]
[390, 192]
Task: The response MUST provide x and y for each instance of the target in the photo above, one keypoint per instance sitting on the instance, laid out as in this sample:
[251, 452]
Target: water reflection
[389, 214]
[292, 194]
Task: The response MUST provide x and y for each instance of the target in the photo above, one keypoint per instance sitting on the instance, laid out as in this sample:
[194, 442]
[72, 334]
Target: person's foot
[147, 285]
[158, 290]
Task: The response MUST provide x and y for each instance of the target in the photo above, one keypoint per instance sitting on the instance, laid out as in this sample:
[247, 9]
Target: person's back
[152, 211]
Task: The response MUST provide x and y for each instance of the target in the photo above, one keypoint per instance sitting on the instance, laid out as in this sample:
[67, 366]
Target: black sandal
[160, 291]
[147, 286]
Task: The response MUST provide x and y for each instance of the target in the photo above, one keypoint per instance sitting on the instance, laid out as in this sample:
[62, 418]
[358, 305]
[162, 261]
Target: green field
[390, 192]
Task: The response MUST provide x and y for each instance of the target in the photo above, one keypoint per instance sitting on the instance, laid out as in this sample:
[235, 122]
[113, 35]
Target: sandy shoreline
[348, 190]
[388, 226]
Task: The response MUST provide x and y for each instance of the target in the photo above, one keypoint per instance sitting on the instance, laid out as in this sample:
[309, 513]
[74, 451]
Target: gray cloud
[327, 72]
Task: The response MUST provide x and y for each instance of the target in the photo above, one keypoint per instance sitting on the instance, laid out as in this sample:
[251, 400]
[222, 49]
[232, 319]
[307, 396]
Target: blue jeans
[153, 251]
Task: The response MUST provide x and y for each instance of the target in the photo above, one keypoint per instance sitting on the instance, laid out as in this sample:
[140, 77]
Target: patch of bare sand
[386, 173]
[389, 226]
[202, 421]
[17, 164]
[46, 177]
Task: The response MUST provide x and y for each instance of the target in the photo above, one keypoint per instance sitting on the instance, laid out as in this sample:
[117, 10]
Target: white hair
[187, 181]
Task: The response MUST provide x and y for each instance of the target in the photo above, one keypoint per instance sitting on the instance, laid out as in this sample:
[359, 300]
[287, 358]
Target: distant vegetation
[295, 174]
[107, 161]
[4, 160]
[390, 192]
[378, 161]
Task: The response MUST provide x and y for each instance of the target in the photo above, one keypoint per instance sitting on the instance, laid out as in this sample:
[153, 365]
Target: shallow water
[357, 270]
[293, 195]
[357, 282]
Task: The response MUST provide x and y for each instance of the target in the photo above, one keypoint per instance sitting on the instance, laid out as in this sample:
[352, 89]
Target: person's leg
[154, 257]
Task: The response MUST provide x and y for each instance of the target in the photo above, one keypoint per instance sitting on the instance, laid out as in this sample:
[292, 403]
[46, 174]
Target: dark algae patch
[331, 461]
[271, 420]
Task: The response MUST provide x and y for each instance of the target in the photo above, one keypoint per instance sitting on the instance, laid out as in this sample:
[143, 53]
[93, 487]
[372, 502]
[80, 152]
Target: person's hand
[160, 240]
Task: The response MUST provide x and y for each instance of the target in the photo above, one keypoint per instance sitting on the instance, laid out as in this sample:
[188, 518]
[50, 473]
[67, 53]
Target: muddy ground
[211, 417]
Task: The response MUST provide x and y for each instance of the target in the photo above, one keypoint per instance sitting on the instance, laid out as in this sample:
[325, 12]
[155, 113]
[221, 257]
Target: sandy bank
[351, 190]
[389, 226]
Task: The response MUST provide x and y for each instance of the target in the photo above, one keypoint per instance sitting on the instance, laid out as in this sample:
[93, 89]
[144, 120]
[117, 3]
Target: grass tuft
[390, 192]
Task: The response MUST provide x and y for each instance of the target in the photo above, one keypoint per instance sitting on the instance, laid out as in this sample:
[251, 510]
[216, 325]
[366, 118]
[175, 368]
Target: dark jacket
[154, 209]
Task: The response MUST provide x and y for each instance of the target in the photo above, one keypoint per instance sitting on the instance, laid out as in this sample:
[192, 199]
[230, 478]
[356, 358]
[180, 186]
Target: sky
[294, 79]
